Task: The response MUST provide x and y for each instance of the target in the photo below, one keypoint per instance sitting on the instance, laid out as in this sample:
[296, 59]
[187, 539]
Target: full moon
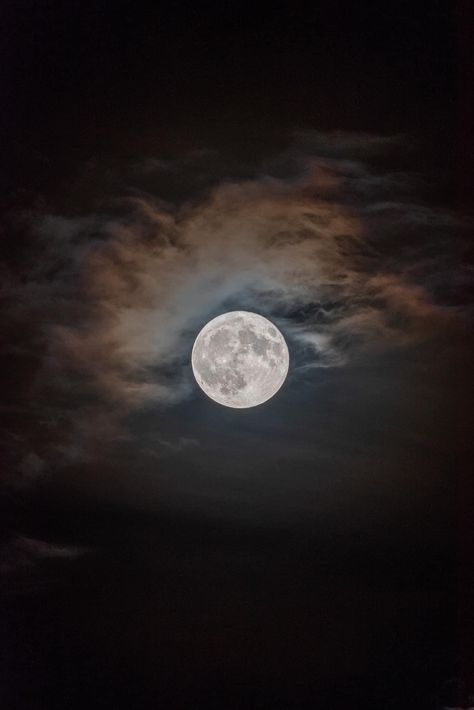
[240, 359]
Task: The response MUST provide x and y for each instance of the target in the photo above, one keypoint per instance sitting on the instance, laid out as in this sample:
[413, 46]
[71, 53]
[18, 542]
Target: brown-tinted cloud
[122, 294]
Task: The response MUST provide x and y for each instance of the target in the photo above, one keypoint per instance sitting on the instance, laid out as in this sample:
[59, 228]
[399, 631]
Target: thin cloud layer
[22, 552]
[121, 295]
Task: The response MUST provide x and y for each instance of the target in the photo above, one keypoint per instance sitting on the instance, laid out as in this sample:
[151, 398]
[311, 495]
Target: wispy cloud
[22, 552]
[120, 295]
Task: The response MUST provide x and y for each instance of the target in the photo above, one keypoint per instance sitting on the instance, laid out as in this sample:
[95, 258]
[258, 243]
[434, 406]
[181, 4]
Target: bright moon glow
[240, 359]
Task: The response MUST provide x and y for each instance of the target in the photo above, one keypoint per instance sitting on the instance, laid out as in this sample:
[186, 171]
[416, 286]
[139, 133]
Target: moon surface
[240, 359]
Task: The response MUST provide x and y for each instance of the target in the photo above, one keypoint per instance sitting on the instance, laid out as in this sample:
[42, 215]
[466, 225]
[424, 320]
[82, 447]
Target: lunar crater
[240, 359]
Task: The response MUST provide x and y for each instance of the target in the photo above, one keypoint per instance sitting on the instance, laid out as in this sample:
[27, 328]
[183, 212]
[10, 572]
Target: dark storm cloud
[118, 296]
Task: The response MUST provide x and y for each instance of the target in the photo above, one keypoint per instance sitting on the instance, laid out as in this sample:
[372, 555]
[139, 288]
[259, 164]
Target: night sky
[163, 163]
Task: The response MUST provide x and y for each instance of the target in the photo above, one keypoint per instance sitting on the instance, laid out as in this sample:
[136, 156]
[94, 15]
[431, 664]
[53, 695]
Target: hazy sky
[164, 165]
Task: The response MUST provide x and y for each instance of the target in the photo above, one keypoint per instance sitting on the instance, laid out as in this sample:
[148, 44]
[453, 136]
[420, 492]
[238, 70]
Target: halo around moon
[240, 359]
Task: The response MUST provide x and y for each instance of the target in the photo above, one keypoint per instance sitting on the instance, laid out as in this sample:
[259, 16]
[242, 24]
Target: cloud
[348, 144]
[120, 295]
[22, 553]
[165, 447]
[189, 161]
[31, 469]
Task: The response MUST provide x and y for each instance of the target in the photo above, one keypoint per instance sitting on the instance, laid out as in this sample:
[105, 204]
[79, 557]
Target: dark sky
[164, 163]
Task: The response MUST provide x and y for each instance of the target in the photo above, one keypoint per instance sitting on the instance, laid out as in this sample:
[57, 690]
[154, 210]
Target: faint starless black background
[359, 607]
